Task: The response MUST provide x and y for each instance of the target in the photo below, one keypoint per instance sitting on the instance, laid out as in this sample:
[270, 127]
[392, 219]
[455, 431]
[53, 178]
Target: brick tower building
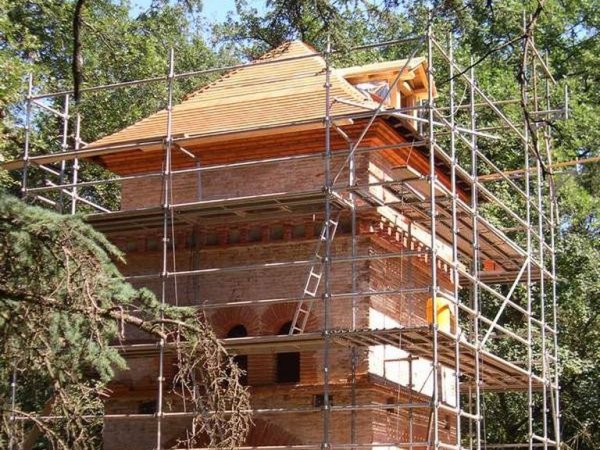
[299, 229]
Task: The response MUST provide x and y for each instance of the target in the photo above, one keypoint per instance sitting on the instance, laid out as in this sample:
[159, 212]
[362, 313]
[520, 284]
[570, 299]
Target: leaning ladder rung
[304, 322]
[312, 290]
[332, 227]
[302, 315]
[309, 292]
[327, 231]
[314, 274]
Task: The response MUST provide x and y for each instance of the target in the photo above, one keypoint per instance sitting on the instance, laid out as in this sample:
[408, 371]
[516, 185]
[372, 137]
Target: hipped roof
[283, 88]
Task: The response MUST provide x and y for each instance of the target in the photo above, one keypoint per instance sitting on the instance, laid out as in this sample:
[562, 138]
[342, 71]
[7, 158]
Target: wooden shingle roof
[287, 91]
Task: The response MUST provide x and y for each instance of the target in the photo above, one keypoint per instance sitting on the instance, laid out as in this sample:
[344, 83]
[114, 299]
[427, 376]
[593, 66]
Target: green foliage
[62, 303]
[346, 23]
[579, 290]
[49, 339]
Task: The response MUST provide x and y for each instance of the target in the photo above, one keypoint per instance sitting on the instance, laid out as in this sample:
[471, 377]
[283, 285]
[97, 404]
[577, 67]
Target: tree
[62, 304]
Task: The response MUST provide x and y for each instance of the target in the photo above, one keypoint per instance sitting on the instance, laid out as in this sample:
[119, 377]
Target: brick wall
[228, 287]
[147, 192]
[213, 248]
[290, 176]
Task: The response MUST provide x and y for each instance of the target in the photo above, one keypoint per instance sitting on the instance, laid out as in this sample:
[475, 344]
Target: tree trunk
[77, 65]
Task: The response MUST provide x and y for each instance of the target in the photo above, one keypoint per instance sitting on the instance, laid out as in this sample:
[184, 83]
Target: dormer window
[400, 85]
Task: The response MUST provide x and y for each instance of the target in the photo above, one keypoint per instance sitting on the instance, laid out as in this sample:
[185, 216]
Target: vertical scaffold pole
[63, 148]
[25, 174]
[13, 381]
[354, 350]
[455, 280]
[529, 298]
[327, 260]
[76, 164]
[165, 244]
[470, 422]
[434, 287]
[541, 241]
[12, 442]
[529, 253]
[475, 262]
[555, 374]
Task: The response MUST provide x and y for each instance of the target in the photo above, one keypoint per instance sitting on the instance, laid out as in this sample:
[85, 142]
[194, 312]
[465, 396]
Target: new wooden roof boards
[287, 91]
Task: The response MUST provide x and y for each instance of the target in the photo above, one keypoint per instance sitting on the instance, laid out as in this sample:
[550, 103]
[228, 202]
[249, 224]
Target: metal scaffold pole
[26, 155]
[64, 146]
[75, 176]
[435, 395]
[529, 249]
[354, 288]
[327, 253]
[13, 442]
[554, 376]
[166, 203]
[476, 257]
[539, 180]
[454, 226]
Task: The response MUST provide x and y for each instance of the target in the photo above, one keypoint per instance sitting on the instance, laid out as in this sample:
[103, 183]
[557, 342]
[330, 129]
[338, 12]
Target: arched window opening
[241, 360]
[288, 364]
[237, 331]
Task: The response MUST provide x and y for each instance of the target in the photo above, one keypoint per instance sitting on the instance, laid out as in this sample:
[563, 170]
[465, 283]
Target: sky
[218, 9]
[213, 9]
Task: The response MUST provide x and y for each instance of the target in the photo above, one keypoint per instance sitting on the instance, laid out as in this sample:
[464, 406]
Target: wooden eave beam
[157, 144]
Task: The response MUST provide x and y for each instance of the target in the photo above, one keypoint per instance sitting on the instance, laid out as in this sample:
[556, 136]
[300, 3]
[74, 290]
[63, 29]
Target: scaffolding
[450, 136]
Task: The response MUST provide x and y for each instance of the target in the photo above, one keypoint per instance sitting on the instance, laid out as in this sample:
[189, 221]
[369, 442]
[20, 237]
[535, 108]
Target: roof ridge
[284, 48]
